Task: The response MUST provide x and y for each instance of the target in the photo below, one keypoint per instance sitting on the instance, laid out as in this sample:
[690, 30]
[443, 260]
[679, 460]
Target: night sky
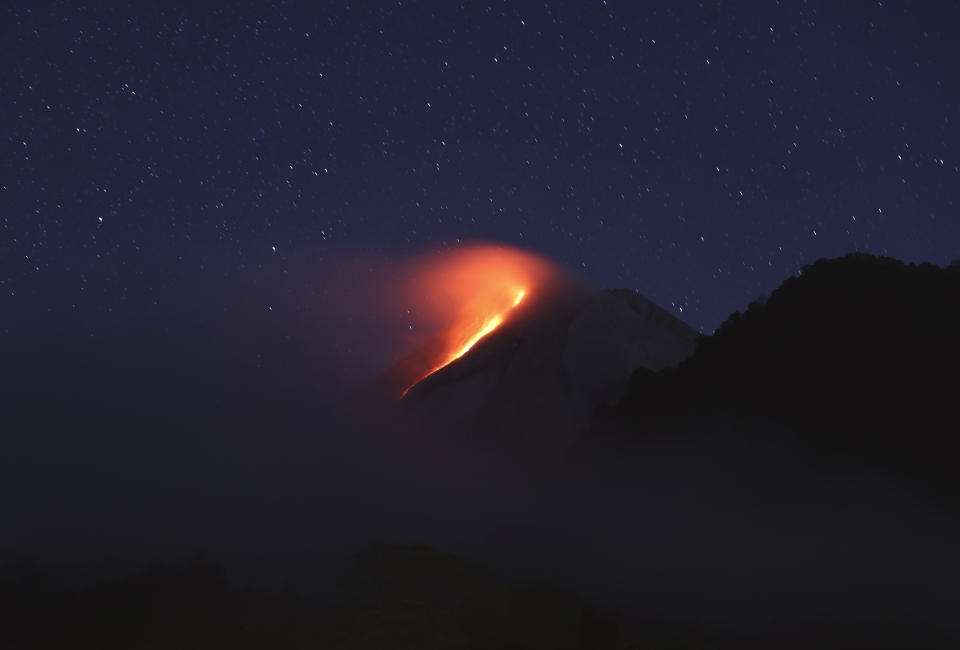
[208, 221]
[698, 152]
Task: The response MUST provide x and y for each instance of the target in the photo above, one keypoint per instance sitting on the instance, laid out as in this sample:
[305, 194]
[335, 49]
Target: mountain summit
[532, 383]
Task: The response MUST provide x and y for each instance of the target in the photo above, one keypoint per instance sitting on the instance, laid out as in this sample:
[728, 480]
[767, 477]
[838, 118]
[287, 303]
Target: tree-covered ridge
[857, 354]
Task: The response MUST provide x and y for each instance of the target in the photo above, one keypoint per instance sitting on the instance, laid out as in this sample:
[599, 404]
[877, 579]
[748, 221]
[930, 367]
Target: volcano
[528, 383]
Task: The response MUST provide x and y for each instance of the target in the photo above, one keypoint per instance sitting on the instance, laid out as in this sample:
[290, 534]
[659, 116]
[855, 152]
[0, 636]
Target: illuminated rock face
[532, 384]
[463, 336]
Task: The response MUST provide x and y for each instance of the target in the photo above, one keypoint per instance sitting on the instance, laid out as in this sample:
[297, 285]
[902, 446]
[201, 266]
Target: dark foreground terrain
[790, 485]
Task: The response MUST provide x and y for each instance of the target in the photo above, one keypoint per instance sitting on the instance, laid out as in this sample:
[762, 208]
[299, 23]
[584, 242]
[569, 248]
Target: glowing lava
[455, 298]
[472, 334]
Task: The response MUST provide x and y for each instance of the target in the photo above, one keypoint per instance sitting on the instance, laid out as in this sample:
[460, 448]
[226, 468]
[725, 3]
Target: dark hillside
[855, 356]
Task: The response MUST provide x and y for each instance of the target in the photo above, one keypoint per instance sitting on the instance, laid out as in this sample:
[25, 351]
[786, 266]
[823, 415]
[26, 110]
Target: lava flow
[458, 297]
[489, 324]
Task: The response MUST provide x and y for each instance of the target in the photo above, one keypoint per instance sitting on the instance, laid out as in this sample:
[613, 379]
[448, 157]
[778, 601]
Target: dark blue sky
[699, 152]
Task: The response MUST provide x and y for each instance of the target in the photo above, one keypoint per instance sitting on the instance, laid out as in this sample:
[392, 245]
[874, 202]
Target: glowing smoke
[461, 296]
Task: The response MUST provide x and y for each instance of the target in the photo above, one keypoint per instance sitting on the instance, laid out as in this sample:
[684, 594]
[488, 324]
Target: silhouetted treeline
[854, 357]
[186, 605]
[396, 597]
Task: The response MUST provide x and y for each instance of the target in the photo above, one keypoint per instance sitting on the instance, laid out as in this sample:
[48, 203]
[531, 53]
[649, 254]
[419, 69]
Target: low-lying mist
[222, 421]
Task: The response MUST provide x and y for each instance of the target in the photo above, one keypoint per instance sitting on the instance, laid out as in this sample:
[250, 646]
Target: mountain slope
[533, 383]
[858, 356]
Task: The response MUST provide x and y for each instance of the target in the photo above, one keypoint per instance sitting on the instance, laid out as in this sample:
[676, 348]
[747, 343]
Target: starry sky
[698, 152]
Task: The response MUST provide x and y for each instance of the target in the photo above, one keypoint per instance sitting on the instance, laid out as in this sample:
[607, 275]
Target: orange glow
[489, 324]
[460, 296]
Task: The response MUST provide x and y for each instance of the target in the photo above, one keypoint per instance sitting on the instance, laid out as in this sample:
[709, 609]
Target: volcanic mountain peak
[614, 334]
[533, 381]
